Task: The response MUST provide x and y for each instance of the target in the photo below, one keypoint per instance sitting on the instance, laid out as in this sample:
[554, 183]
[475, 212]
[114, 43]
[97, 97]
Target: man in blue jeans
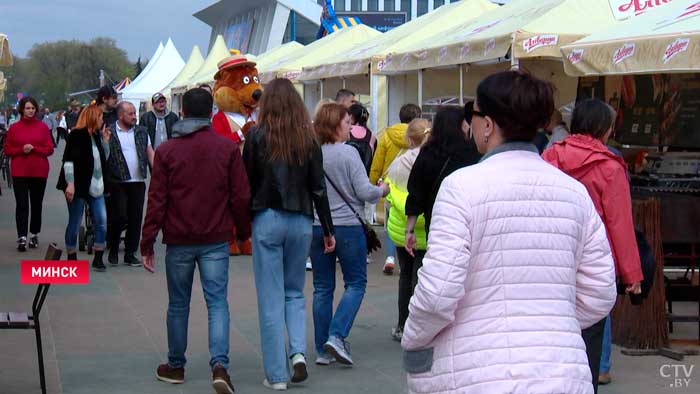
[196, 214]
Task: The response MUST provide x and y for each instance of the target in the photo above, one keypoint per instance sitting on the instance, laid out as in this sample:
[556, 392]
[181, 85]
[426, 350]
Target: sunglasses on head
[469, 113]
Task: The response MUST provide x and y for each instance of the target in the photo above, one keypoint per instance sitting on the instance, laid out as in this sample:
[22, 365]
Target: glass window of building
[339, 5]
[373, 5]
[438, 3]
[422, 7]
[406, 7]
[356, 5]
[389, 5]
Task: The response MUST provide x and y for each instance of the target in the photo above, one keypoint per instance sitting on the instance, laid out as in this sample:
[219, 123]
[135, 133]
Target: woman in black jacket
[285, 170]
[82, 180]
[449, 148]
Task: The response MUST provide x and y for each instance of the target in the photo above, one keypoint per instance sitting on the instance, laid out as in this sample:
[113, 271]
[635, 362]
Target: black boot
[131, 260]
[97, 263]
[113, 256]
[72, 256]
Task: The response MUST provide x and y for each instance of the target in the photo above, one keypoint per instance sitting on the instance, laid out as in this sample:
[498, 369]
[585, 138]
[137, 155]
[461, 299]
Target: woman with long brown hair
[82, 181]
[285, 170]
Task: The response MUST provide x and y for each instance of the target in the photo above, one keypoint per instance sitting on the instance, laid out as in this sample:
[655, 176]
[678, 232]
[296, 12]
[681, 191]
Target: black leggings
[28, 190]
[408, 279]
[593, 338]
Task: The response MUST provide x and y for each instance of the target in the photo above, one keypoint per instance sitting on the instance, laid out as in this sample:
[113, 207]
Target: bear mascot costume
[237, 91]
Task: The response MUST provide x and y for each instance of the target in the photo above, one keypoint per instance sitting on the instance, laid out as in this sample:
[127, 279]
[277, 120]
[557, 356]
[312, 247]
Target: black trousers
[408, 279]
[593, 338]
[126, 211]
[28, 191]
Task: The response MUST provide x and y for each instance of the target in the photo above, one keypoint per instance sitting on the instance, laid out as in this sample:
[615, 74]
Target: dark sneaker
[22, 244]
[299, 367]
[338, 348]
[98, 266]
[34, 241]
[221, 381]
[168, 374]
[113, 257]
[132, 261]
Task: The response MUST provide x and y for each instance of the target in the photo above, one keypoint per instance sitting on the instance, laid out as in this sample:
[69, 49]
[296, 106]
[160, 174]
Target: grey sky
[136, 25]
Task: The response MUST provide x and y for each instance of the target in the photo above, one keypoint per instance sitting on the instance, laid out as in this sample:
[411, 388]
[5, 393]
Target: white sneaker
[308, 264]
[299, 367]
[389, 265]
[279, 386]
[325, 359]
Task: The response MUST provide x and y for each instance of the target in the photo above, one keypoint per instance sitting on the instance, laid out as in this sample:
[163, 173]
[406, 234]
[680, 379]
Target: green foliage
[54, 69]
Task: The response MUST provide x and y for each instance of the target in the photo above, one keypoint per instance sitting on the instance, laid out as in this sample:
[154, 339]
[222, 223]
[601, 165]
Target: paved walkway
[108, 336]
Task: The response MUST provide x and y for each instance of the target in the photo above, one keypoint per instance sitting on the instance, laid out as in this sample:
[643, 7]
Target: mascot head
[237, 88]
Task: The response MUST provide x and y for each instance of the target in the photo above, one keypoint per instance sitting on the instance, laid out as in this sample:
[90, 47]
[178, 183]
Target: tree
[53, 69]
[138, 66]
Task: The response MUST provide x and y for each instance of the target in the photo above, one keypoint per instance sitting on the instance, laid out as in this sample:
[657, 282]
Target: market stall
[194, 62]
[5, 53]
[648, 69]
[519, 34]
[350, 70]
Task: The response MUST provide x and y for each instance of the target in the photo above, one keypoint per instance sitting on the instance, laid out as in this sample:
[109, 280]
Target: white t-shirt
[128, 143]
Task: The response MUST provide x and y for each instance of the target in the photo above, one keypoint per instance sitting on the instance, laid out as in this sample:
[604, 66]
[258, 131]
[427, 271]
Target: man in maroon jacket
[199, 190]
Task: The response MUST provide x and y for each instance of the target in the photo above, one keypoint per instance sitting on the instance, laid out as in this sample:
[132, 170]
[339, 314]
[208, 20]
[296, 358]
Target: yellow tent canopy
[439, 21]
[277, 53]
[205, 74]
[317, 52]
[522, 28]
[661, 41]
[194, 63]
[5, 54]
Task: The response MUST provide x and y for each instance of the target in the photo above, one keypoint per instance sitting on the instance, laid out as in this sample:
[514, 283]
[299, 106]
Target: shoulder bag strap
[362, 222]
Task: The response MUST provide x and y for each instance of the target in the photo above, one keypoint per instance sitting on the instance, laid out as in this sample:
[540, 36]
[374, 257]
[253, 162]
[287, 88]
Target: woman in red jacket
[584, 156]
[29, 145]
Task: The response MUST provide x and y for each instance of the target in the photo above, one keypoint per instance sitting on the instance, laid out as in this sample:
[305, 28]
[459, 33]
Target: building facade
[412, 8]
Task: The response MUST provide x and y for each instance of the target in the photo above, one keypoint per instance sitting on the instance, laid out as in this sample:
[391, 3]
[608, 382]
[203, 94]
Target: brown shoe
[221, 381]
[233, 249]
[604, 378]
[166, 373]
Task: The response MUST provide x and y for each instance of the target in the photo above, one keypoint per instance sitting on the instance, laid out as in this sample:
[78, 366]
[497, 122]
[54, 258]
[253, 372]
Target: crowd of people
[509, 248]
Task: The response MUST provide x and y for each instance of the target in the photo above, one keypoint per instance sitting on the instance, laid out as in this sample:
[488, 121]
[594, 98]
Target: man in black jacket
[160, 121]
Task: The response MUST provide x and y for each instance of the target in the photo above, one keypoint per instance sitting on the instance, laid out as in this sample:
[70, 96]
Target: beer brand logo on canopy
[442, 54]
[381, 65]
[490, 46]
[623, 53]
[464, 50]
[423, 55]
[623, 9]
[404, 59]
[575, 56]
[480, 28]
[676, 47]
[538, 41]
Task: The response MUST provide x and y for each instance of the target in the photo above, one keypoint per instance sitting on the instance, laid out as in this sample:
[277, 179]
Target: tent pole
[461, 85]
[321, 88]
[344, 86]
[514, 64]
[420, 88]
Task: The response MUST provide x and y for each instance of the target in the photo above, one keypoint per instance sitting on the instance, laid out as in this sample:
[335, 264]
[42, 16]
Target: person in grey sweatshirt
[348, 189]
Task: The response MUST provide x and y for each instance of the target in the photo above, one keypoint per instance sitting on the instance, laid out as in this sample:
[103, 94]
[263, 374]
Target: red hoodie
[605, 177]
[35, 163]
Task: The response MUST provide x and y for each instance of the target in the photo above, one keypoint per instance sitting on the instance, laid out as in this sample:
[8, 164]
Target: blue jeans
[605, 362]
[390, 248]
[351, 249]
[180, 261]
[75, 216]
[281, 243]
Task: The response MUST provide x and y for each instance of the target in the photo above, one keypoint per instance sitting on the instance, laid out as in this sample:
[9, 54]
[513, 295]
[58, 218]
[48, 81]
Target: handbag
[371, 237]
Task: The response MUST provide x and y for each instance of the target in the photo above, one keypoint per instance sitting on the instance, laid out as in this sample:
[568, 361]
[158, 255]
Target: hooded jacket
[391, 142]
[397, 177]
[604, 174]
[196, 203]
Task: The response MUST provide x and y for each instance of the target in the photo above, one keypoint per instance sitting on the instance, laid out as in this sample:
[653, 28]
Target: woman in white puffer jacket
[517, 264]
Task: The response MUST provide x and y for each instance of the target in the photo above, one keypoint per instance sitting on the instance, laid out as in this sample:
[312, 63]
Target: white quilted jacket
[517, 264]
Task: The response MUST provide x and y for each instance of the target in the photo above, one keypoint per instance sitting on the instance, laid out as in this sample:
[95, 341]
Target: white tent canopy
[165, 68]
[205, 74]
[194, 63]
[150, 64]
